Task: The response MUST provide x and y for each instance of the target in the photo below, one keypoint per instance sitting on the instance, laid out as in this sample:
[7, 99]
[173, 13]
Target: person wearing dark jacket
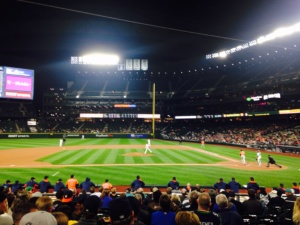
[234, 185]
[45, 185]
[252, 205]
[253, 185]
[31, 183]
[7, 184]
[87, 184]
[227, 215]
[239, 206]
[277, 201]
[16, 186]
[220, 185]
[59, 185]
[138, 183]
[174, 184]
[295, 188]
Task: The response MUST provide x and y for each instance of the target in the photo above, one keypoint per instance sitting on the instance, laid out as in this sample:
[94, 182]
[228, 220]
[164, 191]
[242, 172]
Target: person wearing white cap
[38, 218]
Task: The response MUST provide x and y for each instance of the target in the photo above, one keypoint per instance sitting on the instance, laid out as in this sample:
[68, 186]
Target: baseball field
[120, 160]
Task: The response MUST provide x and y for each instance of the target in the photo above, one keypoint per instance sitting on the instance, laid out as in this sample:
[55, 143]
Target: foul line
[210, 153]
[55, 174]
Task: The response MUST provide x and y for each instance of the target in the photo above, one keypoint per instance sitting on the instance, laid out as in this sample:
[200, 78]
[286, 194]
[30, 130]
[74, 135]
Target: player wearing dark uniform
[272, 161]
[64, 138]
[180, 140]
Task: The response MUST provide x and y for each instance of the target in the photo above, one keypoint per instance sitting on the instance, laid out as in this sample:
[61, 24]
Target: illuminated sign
[234, 115]
[276, 95]
[146, 116]
[263, 97]
[289, 111]
[124, 106]
[185, 117]
[118, 115]
[254, 98]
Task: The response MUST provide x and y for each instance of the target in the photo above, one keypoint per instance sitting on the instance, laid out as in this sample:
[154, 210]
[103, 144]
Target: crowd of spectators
[84, 203]
[95, 126]
[260, 134]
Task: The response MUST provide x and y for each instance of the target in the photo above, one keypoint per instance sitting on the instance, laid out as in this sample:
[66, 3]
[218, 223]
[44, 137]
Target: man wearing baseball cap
[31, 183]
[120, 211]
[38, 218]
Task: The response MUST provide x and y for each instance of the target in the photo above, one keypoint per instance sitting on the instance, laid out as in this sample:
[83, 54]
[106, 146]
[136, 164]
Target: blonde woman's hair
[44, 203]
[186, 218]
[296, 212]
[175, 197]
[61, 218]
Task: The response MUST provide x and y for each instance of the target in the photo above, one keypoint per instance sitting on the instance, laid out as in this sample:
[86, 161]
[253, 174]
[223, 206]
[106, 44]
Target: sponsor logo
[18, 136]
[104, 135]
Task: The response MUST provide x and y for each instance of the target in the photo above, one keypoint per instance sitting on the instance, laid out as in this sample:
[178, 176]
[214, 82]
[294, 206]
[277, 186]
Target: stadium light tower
[278, 33]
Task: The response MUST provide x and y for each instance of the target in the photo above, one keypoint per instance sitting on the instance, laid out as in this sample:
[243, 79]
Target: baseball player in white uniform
[258, 157]
[149, 143]
[147, 148]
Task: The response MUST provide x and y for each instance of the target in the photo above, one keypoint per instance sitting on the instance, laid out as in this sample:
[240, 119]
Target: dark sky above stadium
[44, 34]
[173, 35]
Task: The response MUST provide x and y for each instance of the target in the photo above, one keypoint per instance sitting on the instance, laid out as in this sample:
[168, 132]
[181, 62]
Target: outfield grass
[154, 170]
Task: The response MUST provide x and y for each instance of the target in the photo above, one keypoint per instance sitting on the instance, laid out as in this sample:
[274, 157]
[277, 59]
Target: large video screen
[16, 83]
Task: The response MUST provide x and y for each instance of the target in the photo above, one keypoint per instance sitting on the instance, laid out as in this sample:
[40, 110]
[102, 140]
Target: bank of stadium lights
[96, 59]
[281, 32]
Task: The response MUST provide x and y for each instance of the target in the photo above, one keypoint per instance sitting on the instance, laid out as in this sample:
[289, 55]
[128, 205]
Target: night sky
[43, 35]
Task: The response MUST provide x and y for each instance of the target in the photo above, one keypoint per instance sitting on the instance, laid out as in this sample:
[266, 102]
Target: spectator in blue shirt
[220, 185]
[253, 185]
[138, 183]
[234, 185]
[45, 185]
[59, 185]
[174, 184]
[16, 186]
[87, 184]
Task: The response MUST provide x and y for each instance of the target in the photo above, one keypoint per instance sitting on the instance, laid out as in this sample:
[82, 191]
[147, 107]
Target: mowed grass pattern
[189, 166]
[124, 156]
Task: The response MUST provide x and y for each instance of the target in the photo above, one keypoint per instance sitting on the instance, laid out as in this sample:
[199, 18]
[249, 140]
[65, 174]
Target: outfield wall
[59, 135]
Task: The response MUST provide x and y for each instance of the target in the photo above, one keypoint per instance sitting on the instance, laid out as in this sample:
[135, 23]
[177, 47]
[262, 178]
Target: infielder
[149, 143]
[243, 157]
[202, 143]
[258, 157]
[147, 148]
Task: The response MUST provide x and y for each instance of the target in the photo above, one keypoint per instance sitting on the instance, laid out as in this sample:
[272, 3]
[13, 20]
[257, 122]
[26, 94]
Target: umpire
[272, 161]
